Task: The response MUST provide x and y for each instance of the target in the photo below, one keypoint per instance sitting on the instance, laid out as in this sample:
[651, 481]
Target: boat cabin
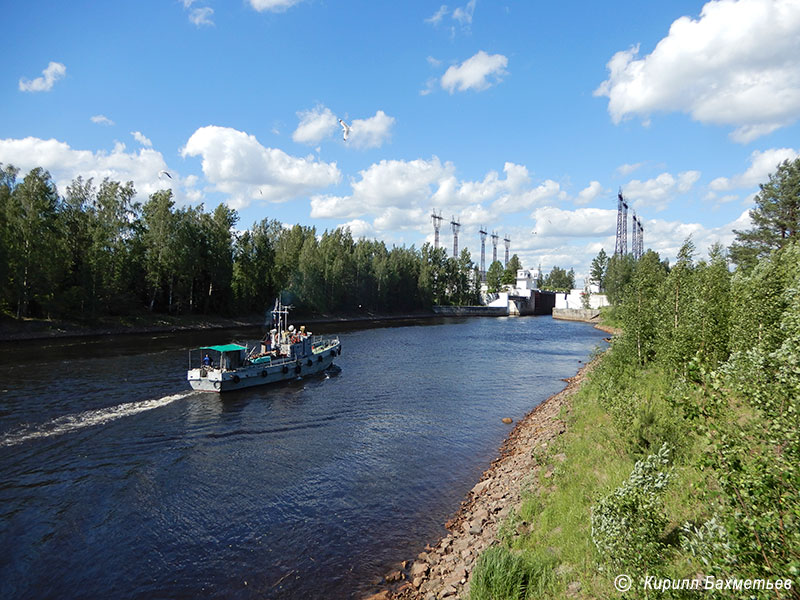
[226, 357]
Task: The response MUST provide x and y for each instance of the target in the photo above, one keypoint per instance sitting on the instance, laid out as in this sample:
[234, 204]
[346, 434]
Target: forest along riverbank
[443, 570]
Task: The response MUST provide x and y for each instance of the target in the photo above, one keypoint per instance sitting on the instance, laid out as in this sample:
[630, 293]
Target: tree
[36, 247]
[714, 310]
[598, 269]
[494, 277]
[640, 309]
[560, 280]
[776, 217]
[618, 276]
[510, 273]
[8, 180]
[159, 232]
[680, 318]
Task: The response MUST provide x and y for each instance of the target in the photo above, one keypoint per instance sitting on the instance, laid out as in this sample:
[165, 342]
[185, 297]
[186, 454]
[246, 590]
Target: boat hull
[214, 380]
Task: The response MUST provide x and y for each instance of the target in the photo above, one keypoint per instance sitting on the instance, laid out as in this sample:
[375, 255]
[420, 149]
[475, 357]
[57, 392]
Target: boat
[283, 355]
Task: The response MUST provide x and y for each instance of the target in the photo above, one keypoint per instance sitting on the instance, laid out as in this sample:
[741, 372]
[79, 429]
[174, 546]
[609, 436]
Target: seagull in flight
[164, 173]
[345, 129]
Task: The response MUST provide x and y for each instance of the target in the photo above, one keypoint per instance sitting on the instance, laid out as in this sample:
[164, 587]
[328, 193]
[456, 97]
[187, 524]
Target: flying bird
[164, 173]
[345, 129]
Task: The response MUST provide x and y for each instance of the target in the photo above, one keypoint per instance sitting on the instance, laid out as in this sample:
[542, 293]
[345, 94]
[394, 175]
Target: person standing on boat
[206, 361]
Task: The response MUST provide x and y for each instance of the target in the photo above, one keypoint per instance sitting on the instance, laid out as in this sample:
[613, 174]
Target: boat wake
[90, 418]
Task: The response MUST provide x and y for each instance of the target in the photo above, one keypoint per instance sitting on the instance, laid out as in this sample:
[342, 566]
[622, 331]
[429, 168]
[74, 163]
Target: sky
[522, 117]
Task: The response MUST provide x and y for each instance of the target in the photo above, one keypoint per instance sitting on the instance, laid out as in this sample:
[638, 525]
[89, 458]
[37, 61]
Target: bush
[628, 524]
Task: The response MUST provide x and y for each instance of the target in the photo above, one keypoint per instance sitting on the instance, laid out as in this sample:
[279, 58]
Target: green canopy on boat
[224, 348]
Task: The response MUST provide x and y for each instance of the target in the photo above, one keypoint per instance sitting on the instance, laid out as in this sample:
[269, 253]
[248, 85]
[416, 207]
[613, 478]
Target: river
[118, 481]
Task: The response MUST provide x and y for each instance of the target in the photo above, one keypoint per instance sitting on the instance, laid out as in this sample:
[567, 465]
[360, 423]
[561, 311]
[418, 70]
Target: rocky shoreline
[443, 570]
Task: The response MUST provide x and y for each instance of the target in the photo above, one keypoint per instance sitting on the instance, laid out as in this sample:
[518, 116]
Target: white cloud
[736, 65]
[461, 14]
[399, 183]
[387, 188]
[65, 163]
[371, 132]
[586, 195]
[273, 5]
[238, 165]
[475, 72]
[139, 137]
[456, 194]
[464, 14]
[358, 228]
[201, 16]
[659, 192]
[315, 125]
[320, 123]
[582, 222]
[50, 75]
[525, 199]
[395, 218]
[437, 17]
[627, 169]
[102, 120]
[762, 164]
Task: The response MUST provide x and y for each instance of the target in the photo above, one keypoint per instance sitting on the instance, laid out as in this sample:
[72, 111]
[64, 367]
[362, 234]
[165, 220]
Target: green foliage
[503, 574]
[96, 252]
[628, 524]
[559, 280]
[639, 309]
[757, 456]
[494, 277]
[510, 272]
[598, 269]
[618, 275]
[776, 217]
[35, 244]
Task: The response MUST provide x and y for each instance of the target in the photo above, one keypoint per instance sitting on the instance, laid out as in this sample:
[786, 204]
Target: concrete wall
[574, 300]
[471, 311]
[576, 314]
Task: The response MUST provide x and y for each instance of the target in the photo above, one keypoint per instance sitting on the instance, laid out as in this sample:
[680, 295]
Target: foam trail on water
[90, 418]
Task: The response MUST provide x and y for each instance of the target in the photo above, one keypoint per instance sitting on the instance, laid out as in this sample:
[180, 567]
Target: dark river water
[118, 481]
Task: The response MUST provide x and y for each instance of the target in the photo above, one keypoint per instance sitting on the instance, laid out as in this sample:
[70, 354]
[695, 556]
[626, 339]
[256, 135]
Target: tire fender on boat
[264, 373]
[298, 368]
[216, 385]
[309, 362]
[236, 379]
[319, 358]
[285, 369]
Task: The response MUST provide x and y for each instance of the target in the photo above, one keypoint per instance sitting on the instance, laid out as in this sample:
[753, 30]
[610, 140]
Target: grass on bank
[546, 550]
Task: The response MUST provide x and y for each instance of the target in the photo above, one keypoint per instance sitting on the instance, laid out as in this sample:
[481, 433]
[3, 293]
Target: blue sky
[518, 116]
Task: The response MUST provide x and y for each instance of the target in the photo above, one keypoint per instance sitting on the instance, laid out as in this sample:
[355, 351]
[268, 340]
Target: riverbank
[12, 330]
[524, 464]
